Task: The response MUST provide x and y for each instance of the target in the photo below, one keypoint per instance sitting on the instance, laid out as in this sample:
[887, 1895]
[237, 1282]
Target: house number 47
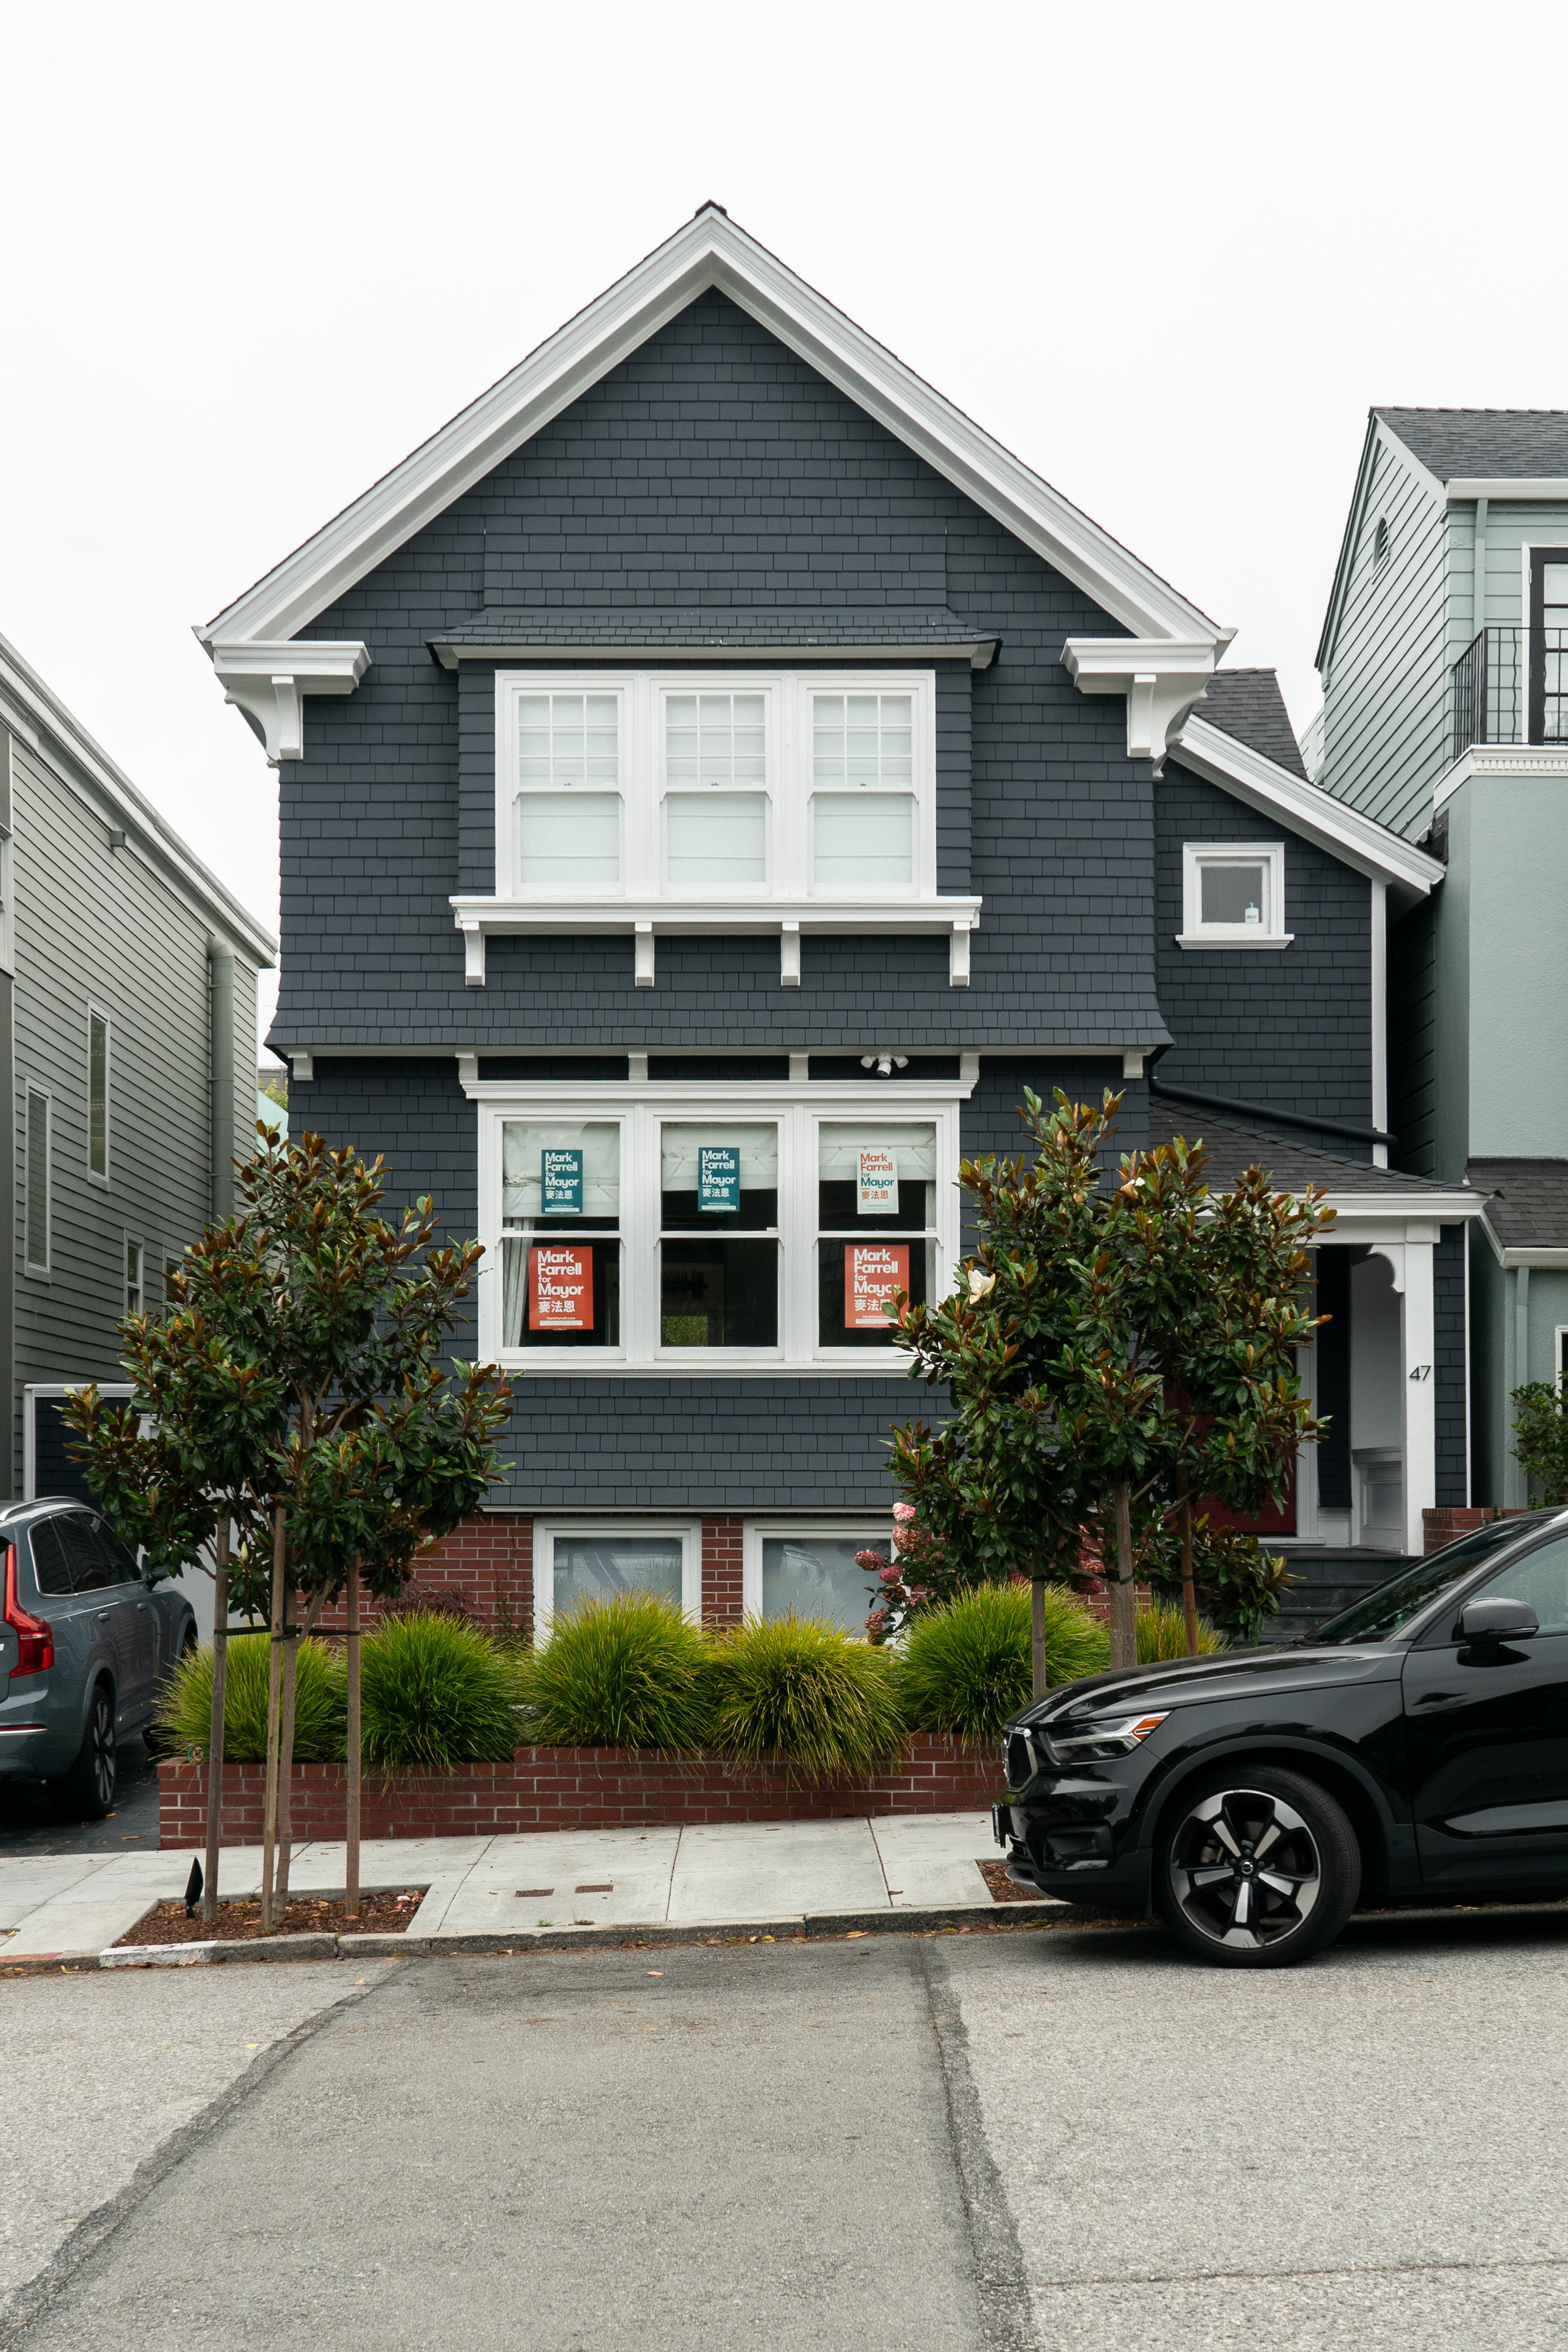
[1422, 1372]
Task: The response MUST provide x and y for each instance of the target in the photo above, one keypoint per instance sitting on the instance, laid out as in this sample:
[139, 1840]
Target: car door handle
[104, 1615]
[1439, 1698]
[143, 1605]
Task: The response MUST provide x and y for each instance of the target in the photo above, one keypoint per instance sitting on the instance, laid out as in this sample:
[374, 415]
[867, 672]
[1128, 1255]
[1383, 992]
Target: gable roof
[710, 250]
[1462, 444]
[1285, 796]
[1248, 704]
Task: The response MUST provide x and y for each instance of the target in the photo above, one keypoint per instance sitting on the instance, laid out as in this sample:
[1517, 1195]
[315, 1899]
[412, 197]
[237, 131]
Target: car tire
[86, 1792]
[1256, 1868]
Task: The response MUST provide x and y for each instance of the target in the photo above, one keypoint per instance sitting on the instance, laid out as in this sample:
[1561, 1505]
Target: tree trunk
[1124, 1591]
[350, 1857]
[1037, 1628]
[216, 1731]
[286, 1746]
[274, 1693]
[1189, 1591]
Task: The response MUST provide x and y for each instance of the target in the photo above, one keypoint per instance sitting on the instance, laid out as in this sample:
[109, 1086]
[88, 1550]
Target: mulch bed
[1004, 1889]
[307, 1914]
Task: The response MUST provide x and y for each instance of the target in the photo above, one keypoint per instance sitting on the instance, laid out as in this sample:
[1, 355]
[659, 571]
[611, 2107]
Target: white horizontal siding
[1385, 697]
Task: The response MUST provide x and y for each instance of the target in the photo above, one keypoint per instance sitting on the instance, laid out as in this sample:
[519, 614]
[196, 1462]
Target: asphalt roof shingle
[1293, 1166]
[1246, 704]
[1457, 444]
[1528, 1204]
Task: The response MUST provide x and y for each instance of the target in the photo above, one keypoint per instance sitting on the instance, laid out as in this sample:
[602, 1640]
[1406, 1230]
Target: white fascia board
[48, 728]
[1542, 1260]
[1261, 783]
[709, 251]
[671, 916]
[1522, 489]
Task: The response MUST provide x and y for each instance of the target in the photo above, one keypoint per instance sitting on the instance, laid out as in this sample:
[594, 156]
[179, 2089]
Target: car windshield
[1393, 1604]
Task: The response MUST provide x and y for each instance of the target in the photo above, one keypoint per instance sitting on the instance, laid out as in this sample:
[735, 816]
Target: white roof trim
[1523, 486]
[40, 714]
[709, 251]
[1251, 776]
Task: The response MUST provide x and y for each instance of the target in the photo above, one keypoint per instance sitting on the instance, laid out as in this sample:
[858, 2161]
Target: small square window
[1234, 895]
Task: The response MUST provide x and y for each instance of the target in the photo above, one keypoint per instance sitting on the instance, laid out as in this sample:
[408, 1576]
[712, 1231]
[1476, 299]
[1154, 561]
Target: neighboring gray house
[716, 779]
[128, 1024]
[1444, 668]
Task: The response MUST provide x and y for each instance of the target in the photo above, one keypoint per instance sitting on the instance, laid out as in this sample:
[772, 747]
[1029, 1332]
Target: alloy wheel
[100, 1749]
[1246, 1869]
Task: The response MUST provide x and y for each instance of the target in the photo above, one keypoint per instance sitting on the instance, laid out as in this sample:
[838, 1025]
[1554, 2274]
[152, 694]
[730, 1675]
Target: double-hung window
[776, 785]
[664, 1229]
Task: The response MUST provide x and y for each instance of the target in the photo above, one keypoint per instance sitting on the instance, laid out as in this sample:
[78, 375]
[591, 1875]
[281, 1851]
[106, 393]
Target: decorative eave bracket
[269, 684]
[1162, 678]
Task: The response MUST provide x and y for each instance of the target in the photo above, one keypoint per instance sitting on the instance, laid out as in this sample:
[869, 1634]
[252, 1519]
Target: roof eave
[1251, 776]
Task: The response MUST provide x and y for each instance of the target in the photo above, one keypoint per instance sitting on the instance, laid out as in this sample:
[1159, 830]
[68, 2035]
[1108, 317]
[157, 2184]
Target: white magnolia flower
[981, 1286]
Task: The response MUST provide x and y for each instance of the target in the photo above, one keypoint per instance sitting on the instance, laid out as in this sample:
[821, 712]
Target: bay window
[642, 1225]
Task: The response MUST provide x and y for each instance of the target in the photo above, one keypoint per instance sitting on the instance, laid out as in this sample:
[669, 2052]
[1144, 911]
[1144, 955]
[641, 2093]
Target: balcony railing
[1489, 691]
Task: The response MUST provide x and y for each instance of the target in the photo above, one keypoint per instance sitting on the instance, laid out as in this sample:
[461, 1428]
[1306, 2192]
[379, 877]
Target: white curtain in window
[759, 1149]
[863, 840]
[568, 841]
[716, 838]
[913, 1149]
[514, 1292]
[523, 1142]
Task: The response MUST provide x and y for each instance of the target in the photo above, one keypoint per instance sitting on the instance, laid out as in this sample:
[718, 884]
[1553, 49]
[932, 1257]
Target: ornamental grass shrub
[624, 1673]
[1162, 1634]
[803, 1690]
[434, 1693]
[321, 1705]
[968, 1665]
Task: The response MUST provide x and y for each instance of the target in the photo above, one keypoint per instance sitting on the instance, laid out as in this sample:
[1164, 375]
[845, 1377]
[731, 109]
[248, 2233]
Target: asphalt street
[1063, 2138]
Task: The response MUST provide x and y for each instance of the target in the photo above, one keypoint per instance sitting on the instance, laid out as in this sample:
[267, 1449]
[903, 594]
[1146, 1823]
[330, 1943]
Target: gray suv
[85, 1644]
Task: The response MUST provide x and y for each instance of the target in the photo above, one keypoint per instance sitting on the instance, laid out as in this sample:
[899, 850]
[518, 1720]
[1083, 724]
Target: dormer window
[1233, 896]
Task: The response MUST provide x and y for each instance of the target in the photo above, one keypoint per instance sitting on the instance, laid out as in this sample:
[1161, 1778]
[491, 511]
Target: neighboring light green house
[1444, 668]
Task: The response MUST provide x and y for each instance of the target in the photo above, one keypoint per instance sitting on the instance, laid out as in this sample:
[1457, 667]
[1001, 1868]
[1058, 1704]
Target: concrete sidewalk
[73, 1907]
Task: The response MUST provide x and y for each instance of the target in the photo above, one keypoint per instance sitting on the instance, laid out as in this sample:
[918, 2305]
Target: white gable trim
[1251, 777]
[709, 251]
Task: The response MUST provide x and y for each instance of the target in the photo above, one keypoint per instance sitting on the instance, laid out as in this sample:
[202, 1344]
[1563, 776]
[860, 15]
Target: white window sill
[700, 1363]
[1227, 940]
[480, 919]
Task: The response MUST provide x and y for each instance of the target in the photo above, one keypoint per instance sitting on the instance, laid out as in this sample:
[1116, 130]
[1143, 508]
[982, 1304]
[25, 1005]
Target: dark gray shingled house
[716, 779]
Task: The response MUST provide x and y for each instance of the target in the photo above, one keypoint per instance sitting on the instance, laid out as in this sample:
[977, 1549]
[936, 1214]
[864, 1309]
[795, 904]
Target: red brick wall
[1445, 1527]
[488, 1560]
[721, 1546]
[575, 1789]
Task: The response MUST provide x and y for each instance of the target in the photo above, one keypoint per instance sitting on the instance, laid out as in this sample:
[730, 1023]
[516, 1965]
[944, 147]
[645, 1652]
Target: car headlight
[1114, 1736]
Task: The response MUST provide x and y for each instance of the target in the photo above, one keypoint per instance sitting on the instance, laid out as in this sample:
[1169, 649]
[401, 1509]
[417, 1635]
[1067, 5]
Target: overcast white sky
[1168, 256]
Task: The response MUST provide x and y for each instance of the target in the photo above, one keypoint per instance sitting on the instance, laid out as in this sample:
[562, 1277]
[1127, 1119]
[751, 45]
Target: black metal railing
[1489, 691]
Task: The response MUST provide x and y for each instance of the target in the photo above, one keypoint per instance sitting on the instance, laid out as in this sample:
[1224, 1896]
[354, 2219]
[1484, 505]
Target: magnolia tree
[1118, 1345]
[292, 1413]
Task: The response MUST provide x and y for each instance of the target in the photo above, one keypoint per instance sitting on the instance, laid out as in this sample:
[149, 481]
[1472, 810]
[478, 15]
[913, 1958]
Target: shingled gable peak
[1161, 666]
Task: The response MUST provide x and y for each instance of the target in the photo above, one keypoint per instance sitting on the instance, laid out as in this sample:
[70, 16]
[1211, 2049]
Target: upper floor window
[1233, 895]
[1549, 645]
[135, 1274]
[783, 786]
[97, 1093]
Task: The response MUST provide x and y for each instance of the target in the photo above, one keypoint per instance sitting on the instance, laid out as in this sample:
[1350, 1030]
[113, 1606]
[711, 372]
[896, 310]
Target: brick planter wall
[1446, 1526]
[575, 1789]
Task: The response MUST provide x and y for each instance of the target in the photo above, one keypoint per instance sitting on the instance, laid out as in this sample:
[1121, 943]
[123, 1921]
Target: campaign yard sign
[878, 1183]
[872, 1272]
[561, 1287]
[717, 1176]
[561, 1182]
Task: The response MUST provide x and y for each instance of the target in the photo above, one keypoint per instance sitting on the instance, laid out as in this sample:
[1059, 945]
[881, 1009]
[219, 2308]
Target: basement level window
[1233, 896]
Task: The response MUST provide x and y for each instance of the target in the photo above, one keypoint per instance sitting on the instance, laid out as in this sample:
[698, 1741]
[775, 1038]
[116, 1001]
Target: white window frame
[799, 1109]
[642, 785]
[755, 1532]
[113, 1391]
[546, 1531]
[141, 1249]
[1195, 932]
[101, 1175]
[32, 1092]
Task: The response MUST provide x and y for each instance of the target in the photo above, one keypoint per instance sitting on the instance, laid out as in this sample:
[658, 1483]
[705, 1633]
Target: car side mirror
[1498, 1620]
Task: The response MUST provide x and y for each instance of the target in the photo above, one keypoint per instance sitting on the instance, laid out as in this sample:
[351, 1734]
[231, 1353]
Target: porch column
[1418, 1325]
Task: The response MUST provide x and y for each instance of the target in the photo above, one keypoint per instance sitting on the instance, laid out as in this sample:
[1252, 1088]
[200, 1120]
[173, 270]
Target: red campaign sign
[561, 1289]
[872, 1272]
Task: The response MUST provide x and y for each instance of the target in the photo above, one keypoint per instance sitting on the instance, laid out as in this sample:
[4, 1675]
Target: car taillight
[35, 1635]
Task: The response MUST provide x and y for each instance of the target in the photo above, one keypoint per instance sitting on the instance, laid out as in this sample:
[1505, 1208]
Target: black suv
[1417, 1744]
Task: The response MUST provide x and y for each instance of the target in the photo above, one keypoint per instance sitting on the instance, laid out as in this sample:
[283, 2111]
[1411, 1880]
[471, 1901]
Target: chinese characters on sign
[561, 1182]
[561, 1289]
[872, 1272]
[879, 1188]
[717, 1176]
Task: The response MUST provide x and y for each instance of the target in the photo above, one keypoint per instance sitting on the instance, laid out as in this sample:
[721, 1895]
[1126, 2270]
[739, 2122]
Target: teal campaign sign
[717, 1176]
[560, 1183]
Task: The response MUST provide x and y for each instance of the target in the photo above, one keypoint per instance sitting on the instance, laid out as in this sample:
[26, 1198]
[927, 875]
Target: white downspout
[1380, 1018]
